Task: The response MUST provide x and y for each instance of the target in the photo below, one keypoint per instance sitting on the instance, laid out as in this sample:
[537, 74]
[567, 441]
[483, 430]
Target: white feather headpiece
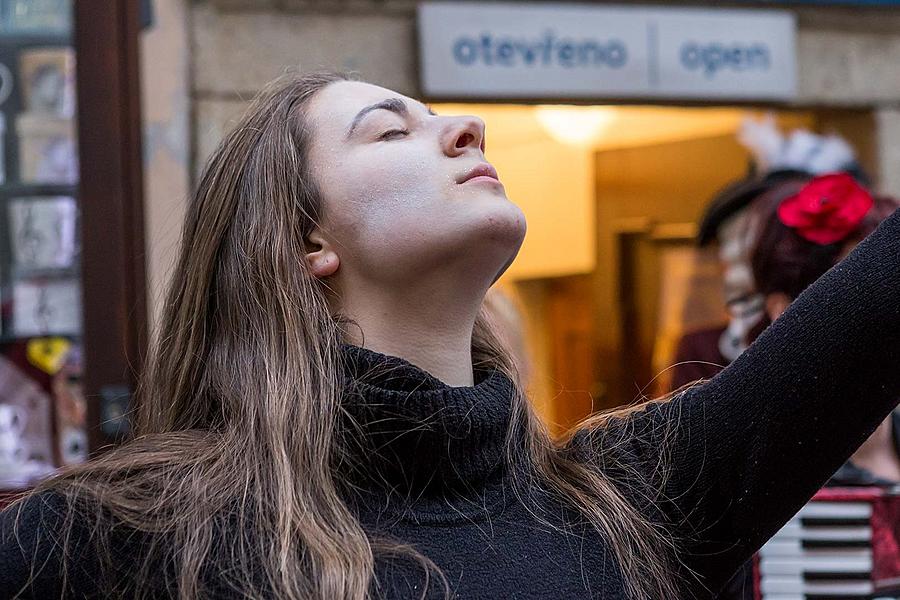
[802, 150]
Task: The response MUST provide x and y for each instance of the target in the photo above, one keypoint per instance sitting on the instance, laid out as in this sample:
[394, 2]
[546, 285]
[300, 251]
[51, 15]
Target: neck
[422, 442]
[429, 327]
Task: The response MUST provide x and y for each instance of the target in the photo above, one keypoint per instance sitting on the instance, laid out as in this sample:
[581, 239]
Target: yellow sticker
[48, 354]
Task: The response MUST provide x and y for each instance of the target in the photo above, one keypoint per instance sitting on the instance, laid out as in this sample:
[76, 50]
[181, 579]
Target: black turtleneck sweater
[745, 452]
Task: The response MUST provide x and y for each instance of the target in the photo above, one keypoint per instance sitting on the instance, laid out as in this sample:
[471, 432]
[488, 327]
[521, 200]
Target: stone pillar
[166, 130]
[888, 131]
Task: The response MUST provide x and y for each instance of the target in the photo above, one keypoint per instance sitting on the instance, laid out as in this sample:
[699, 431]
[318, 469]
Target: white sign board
[577, 51]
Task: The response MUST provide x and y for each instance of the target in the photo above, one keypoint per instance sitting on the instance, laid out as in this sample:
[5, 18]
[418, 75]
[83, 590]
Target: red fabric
[848, 494]
[698, 357]
[886, 542]
[827, 209]
[757, 578]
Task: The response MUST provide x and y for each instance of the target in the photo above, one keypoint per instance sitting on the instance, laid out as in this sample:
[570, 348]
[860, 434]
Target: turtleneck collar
[412, 434]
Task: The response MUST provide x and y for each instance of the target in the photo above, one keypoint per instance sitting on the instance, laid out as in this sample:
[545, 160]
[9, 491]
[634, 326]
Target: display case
[71, 276]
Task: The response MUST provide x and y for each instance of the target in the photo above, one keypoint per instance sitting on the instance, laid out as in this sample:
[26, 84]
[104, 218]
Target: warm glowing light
[576, 125]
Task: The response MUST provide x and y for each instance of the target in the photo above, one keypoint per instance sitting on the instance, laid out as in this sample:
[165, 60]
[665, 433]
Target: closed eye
[393, 133]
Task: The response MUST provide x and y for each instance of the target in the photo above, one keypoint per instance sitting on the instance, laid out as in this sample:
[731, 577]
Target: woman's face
[407, 192]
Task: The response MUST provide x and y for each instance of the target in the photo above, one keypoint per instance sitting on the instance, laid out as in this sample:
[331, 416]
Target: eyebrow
[395, 105]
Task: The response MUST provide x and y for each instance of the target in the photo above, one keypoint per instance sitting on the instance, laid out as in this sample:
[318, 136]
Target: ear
[323, 261]
[776, 304]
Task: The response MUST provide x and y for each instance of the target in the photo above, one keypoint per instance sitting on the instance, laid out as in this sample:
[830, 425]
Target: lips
[481, 170]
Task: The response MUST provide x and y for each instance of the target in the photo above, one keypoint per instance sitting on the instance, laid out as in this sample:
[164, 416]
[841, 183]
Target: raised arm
[751, 446]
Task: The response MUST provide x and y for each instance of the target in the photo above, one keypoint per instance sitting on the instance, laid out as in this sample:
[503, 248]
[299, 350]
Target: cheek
[384, 192]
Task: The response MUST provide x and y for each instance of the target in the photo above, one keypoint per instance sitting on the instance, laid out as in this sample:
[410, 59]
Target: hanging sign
[577, 51]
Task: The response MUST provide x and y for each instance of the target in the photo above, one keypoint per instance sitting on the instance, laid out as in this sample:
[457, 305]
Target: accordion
[844, 544]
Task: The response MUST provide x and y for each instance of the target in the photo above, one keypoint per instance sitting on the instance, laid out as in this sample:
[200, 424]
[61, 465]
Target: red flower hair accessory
[827, 209]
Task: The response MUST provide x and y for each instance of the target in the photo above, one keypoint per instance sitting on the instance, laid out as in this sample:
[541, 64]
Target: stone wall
[887, 121]
[236, 53]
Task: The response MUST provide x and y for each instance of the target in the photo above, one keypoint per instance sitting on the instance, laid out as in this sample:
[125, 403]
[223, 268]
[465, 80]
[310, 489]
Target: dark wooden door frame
[111, 200]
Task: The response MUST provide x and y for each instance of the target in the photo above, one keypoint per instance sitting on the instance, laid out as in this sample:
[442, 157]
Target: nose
[463, 134]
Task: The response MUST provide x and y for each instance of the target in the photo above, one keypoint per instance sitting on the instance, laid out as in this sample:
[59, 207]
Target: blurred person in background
[727, 221]
[502, 310]
[328, 414]
[804, 228]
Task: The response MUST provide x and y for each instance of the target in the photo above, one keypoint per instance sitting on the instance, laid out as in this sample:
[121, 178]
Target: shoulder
[35, 535]
[32, 520]
[651, 443]
[30, 549]
[624, 445]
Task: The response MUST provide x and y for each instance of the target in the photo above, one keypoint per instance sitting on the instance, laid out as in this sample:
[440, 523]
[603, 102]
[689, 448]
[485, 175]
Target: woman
[804, 226]
[327, 415]
[776, 157]
[794, 250]
[787, 259]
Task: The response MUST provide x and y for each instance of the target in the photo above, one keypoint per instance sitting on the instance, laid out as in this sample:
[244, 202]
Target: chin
[500, 221]
[479, 241]
[505, 266]
[499, 234]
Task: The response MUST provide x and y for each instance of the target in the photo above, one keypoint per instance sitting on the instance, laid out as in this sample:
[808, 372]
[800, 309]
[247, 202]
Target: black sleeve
[743, 452]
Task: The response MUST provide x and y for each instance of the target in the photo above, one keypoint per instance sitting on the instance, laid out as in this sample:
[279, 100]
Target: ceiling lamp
[576, 125]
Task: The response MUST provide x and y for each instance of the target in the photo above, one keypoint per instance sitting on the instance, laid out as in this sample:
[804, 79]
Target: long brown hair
[237, 419]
